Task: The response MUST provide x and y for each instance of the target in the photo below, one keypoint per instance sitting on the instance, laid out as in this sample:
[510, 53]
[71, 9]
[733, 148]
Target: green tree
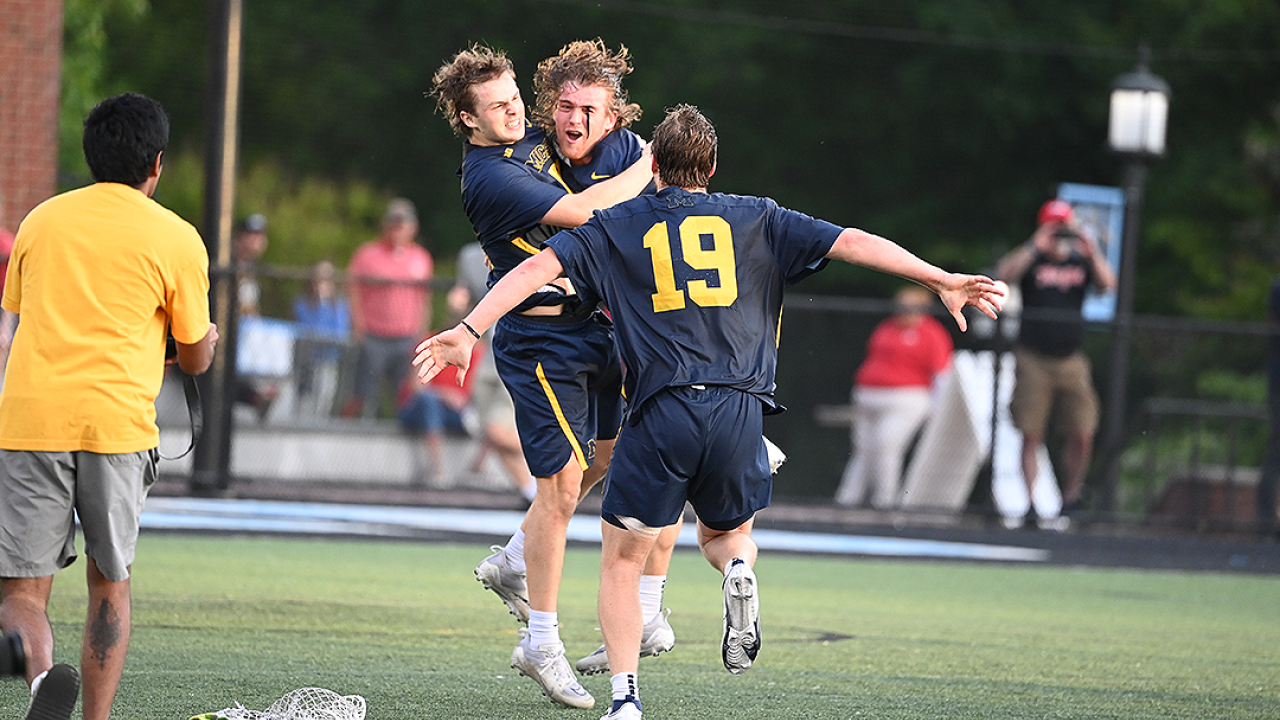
[84, 71]
[942, 124]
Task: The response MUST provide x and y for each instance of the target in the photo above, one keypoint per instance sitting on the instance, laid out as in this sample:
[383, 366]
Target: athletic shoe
[549, 668]
[55, 697]
[497, 575]
[741, 618]
[628, 709]
[658, 637]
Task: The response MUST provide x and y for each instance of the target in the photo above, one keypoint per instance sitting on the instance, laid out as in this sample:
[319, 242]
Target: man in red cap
[1053, 269]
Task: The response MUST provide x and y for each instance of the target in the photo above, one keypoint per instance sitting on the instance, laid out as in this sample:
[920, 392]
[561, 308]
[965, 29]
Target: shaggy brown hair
[453, 82]
[684, 146]
[585, 64]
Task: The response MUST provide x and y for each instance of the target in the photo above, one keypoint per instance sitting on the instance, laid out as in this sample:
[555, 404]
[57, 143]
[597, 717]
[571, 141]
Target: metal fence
[1194, 421]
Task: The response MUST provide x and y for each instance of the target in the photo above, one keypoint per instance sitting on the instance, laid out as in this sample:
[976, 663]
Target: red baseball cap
[1055, 211]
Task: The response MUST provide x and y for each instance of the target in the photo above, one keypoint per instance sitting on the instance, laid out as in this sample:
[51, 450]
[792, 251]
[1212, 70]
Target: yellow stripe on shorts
[564, 424]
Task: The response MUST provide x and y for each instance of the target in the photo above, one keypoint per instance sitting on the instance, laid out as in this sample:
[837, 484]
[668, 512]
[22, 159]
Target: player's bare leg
[545, 526]
[660, 555]
[540, 653]
[720, 547]
[656, 635]
[733, 553]
[624, 554]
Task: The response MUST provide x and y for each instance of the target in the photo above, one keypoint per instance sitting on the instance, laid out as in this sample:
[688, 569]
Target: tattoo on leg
[104, 632]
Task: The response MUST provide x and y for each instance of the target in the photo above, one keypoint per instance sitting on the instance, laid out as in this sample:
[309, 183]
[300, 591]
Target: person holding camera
[98, 276]
[1052, 270]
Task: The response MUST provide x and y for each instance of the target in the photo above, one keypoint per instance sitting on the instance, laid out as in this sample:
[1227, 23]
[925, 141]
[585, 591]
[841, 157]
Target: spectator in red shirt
[891, 397]
[390, 294]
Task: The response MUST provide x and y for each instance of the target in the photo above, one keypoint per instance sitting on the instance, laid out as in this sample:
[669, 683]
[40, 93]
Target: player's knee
[559, 493]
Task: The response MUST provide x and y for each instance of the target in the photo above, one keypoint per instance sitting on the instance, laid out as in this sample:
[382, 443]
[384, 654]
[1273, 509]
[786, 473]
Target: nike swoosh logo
[599, 177]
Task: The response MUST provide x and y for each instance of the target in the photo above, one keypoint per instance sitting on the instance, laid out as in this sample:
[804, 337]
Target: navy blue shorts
[703, 445]
[565, 380]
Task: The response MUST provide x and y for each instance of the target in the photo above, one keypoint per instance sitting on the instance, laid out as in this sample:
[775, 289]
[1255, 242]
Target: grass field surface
[221, 619]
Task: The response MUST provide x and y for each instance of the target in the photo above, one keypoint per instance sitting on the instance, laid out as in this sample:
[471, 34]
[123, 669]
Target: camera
[1065, 239]
[13, 657]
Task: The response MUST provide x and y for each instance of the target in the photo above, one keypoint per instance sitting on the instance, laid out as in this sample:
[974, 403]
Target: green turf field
[220, 620]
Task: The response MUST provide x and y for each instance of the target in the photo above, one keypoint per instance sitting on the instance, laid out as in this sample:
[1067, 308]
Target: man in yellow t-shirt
[97, 277]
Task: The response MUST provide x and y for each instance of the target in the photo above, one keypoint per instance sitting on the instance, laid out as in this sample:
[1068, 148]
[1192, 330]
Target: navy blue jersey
[695, 281]
[508, 189]
[613, 154]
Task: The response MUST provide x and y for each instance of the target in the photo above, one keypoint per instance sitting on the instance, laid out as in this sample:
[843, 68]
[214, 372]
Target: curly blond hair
[585, 63]
[452, 84]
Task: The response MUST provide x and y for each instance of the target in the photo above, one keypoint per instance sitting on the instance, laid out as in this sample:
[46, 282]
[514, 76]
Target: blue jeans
[425, 412]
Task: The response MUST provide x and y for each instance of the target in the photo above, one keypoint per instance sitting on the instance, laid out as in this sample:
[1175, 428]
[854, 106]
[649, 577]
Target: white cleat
[741, 641]
[547, 666]
[658, 638]
[776, 456]
[497, 575]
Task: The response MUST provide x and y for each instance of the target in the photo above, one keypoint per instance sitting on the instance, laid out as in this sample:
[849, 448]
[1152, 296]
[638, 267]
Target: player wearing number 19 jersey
[695, 282]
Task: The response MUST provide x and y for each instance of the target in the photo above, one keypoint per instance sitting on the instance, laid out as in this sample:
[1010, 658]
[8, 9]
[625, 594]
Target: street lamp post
[1136, 131]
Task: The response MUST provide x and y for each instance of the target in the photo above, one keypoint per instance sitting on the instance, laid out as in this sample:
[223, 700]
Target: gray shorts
[490, 400]
[44, 491]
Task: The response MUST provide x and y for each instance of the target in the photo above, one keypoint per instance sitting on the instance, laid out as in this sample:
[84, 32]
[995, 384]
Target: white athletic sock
[543, 628]
[35, 684]
[624, 686]
[515, 551]
[651, 587]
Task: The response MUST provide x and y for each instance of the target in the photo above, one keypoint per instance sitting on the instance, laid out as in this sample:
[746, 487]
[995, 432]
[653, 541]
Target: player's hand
[451, 347]
[979, 291]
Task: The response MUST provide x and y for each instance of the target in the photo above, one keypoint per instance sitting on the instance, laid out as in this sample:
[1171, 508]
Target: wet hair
[585, 63]
[684, 145]
[452, 85]
[123, 135]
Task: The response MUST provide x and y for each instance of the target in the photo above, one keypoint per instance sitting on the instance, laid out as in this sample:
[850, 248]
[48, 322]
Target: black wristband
[470, 329]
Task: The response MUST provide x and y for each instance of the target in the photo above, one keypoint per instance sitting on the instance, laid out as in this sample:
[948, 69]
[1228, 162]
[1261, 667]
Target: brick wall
[30, 74]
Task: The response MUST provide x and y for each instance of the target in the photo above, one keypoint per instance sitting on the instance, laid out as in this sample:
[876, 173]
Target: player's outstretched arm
[574, 209]
[956, 290]
[453, 346]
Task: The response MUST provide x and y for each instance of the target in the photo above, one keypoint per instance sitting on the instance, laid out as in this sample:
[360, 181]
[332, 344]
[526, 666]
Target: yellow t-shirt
[96, 275]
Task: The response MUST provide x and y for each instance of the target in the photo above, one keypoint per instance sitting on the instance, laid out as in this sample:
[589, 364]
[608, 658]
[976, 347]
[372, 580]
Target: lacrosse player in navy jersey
[694, 281]
[555, 351]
